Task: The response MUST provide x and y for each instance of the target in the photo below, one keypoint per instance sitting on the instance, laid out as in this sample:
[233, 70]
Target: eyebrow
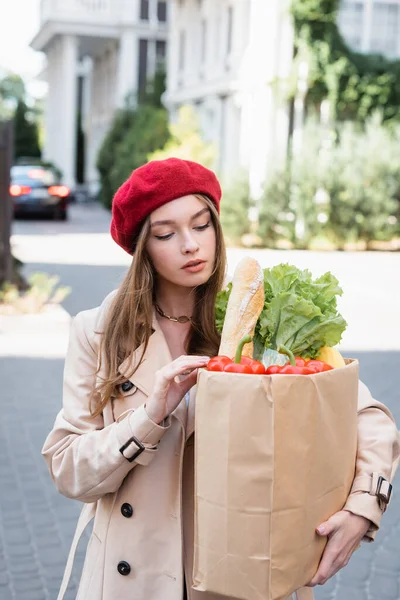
[169, 222]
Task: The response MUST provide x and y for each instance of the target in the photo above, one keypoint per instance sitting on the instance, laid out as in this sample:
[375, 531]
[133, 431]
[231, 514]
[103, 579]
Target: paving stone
[37, 524]
[4, 580]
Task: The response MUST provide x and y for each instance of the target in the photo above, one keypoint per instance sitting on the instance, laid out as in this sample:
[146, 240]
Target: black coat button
[124, 568]
[127, 510]
[126, 386]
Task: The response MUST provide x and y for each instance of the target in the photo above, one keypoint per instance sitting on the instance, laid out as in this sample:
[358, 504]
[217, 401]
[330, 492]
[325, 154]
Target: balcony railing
[82, 11]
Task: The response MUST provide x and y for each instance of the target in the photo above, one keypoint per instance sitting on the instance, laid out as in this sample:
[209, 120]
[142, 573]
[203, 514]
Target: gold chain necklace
[182, 319]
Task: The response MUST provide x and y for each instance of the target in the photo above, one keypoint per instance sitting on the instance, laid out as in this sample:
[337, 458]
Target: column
[267, 59]
[51, 102]
[128, 66]
[64, 148]
[87, 109]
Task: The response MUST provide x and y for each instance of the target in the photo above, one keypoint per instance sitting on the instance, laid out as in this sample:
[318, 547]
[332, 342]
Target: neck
[175, 300]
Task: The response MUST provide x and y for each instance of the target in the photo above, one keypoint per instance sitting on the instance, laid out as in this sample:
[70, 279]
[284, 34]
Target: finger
[332, 561]
[179, 367]
[328, 527]
[189, 382]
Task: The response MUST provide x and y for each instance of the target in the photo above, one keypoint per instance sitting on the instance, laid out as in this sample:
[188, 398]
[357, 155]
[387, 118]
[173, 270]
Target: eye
[164, 237]
[203, 227]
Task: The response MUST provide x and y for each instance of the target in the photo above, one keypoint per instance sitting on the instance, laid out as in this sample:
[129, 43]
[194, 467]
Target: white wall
[234, 91]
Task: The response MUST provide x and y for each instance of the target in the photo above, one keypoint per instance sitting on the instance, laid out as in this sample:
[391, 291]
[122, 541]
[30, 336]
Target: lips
[193, 263]
[195, 266]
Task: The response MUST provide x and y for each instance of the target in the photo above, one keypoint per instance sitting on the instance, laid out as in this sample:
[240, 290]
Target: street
[37, 524]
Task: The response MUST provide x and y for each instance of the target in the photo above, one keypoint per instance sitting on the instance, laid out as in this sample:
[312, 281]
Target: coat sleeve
[87, 460]
[377, 457]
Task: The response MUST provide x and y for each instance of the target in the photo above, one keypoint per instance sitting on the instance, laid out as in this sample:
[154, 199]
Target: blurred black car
[37, 190]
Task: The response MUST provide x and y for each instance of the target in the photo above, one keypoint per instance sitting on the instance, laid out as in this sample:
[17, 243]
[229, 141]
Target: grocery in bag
[275, 454]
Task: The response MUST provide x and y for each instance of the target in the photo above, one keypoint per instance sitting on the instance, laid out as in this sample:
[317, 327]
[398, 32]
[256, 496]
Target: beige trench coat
[142, 537]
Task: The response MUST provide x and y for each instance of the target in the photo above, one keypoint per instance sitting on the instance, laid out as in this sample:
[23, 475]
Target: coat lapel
[156, 356]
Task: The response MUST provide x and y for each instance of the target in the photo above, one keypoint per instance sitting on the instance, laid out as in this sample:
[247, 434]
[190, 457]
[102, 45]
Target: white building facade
[98, 53]
[230, 59]
[225, 58]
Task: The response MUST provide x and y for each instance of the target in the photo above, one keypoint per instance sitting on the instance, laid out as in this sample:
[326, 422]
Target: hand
[345, 531]
[167, 392]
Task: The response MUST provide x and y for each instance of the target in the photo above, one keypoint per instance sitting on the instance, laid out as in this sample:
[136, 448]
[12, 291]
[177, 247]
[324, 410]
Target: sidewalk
[37, 524]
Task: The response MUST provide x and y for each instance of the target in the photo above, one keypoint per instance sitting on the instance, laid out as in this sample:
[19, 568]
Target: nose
[190, 244]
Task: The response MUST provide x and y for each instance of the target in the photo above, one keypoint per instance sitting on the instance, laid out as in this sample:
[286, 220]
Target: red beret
[153, 185]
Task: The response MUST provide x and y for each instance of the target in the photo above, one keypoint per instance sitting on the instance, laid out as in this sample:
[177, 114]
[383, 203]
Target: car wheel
[60, 214]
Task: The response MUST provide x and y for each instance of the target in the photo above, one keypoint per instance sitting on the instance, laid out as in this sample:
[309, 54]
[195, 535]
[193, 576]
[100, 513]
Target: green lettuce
[299, 312]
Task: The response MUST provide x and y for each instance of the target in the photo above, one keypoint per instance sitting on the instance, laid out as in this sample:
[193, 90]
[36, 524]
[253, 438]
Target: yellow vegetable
[331, 356]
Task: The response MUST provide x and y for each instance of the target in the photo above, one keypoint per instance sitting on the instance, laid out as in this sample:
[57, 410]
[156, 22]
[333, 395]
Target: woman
[123, 443]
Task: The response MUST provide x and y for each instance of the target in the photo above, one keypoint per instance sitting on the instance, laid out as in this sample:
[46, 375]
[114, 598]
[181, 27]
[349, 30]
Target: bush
[147, 132]
[289, 209]
[26, 135]
[134, 133]
[122, 123]
[276, 218]
[235, 206]
[186, 141]
[363, 183]
[42, 290]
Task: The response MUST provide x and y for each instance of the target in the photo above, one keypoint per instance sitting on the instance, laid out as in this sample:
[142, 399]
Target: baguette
[244, 307]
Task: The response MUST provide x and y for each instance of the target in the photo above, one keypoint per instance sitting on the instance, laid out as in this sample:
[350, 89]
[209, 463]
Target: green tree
[12, 89]
[136, 130]
[122, 123]
[26, 136]
[147, 132]
[186, 141]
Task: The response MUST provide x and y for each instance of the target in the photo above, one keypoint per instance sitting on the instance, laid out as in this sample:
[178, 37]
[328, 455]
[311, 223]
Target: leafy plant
[122, 123]
[235, 209]
[136, 131]
[363, 183]
[42, 290]
[148, 131]
[186, 141]
[356, 84]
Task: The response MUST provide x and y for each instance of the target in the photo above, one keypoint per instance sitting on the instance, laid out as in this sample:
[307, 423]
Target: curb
[40, 335]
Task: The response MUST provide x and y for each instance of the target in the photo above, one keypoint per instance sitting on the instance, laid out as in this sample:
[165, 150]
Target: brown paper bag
[275, 457]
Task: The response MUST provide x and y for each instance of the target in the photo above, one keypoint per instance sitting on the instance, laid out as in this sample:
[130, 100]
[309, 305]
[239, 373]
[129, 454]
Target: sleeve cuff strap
[375, 485]
[139, 436]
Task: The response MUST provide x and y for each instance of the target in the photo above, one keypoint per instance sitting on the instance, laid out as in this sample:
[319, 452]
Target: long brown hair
[128, 323]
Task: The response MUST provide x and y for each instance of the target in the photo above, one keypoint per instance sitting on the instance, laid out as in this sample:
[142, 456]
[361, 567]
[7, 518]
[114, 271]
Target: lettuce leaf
[299, 312]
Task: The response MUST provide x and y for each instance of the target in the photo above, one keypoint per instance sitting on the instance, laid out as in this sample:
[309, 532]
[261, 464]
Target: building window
[144, 10]
[350, 22]
[142, 77]
[229, 30]
[182, 50]
[385, 28]
[162, 12]
[161, 52]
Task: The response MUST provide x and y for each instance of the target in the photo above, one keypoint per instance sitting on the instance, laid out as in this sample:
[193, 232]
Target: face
[182, 242]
